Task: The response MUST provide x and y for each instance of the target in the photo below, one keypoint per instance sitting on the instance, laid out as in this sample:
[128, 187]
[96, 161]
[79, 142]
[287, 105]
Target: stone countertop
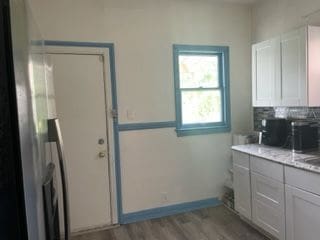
[280, 155]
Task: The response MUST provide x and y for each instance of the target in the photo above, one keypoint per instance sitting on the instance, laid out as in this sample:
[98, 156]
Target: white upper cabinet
[285, 71]
[265, 61]
[313, 70]
[291, 90]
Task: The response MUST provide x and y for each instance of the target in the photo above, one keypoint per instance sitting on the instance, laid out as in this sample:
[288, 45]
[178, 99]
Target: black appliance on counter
[304, 136]
[274, 132]
[295, 134]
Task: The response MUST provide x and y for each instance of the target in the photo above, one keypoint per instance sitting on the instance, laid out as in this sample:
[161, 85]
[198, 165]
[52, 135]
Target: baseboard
[89, 230]
[168, 210]
[93, 229]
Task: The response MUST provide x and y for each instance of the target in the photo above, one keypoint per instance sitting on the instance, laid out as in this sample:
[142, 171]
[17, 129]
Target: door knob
[102, 154]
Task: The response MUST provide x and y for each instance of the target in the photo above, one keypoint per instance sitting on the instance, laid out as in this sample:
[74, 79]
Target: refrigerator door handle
[54, 135]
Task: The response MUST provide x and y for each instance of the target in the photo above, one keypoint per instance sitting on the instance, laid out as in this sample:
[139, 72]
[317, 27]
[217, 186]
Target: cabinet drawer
[268, 191]
[267, 168]
[268, 205]
[305, 180]
[269, 219]
[241, 159]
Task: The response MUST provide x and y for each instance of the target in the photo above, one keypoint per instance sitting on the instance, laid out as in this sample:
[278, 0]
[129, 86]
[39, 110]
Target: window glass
[201, 106]
[198, 71]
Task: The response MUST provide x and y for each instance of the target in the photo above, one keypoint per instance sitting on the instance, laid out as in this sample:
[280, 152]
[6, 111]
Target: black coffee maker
[274, 132]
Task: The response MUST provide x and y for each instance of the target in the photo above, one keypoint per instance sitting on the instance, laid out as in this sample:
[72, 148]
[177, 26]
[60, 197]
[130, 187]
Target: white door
[293, 65]
[302, 215]
[265, 72]
[242, 190]
[81, 107]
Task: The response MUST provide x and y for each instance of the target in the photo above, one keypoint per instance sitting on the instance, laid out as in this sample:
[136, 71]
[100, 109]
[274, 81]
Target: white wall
[143, 31]
[273, 17]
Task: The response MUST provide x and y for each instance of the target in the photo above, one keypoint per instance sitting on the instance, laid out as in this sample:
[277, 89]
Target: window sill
[182, 132]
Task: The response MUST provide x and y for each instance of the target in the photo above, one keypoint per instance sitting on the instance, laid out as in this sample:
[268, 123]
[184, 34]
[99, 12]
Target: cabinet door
[242, 190]
[268, 205]
[265, 72]
[302, 214]
[293, 91]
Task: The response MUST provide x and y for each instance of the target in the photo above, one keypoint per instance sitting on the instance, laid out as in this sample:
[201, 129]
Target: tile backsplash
[260, 113]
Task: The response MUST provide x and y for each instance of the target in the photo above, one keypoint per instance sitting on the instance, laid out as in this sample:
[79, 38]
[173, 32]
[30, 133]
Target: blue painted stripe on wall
[37, 42]
[148, 125]
[169, 210]
[77, 44]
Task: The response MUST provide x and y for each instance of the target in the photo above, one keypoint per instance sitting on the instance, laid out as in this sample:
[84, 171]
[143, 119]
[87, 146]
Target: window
[201, 75]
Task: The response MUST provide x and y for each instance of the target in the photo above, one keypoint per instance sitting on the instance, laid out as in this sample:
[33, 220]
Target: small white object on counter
[280, 155]
[241, 139]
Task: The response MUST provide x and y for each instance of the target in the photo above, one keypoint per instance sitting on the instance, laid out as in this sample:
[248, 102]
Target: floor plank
[206, 224]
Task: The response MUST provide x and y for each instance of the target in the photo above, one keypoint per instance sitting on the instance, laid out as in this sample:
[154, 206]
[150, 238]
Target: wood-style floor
[206, 224]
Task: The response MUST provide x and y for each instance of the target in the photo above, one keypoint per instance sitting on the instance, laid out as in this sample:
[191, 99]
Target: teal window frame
[224, 86]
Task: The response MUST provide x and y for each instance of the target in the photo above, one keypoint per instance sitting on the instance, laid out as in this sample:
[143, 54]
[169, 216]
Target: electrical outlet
[164, 197]
[130, 114]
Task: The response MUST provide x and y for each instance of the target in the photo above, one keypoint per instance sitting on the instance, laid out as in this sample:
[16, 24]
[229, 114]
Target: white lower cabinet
[302, 214]
[283, 201]
[242, 190]
[268, 211]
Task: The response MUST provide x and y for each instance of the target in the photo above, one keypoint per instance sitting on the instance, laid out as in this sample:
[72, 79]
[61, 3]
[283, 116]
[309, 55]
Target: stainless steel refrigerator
[29, 132]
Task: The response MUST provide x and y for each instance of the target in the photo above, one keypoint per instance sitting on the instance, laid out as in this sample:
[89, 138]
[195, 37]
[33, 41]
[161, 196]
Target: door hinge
[114, 113]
